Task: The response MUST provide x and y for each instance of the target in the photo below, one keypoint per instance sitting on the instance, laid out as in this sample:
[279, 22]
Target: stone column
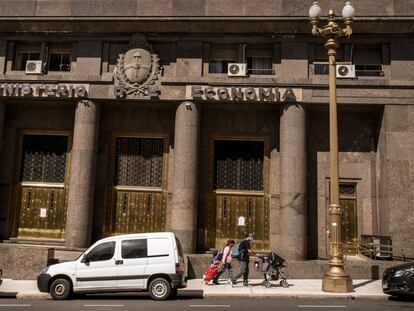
[293, 181]
[186, 141]
[82, 175]
[2, 112]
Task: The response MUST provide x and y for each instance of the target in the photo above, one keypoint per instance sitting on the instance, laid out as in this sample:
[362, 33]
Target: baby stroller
[272, 267]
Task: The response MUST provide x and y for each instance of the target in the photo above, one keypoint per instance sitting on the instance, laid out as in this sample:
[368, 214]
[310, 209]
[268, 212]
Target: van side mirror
[85, 259]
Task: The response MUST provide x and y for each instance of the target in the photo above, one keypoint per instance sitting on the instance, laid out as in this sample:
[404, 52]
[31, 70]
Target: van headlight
[44, 271]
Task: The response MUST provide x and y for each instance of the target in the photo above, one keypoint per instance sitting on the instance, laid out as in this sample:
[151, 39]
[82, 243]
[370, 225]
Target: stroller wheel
[284, 283]
[267, 284]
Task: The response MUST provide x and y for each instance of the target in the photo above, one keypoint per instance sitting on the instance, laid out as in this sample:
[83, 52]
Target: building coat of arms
[138, 67]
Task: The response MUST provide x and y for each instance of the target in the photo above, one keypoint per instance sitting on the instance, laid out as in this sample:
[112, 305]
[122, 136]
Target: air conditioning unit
[33, 67]
[236, 70]
[345, 71]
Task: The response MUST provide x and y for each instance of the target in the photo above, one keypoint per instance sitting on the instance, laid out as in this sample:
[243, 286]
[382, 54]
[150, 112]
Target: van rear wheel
[160, 289]
[60, 289]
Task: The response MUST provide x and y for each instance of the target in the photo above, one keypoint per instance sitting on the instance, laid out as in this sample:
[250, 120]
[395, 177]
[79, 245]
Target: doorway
[237, 202]
[349, 219]
[42, 187]
[138, 194]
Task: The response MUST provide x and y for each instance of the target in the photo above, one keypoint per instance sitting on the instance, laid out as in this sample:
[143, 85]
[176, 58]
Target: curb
[301, 296]
[46, 296]
[33, 295]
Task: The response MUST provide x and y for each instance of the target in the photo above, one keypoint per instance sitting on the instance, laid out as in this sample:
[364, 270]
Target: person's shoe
[216, 283]
[246, 284]
[231, 282]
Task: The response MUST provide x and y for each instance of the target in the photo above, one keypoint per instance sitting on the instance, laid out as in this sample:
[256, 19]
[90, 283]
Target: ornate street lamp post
[336, 279]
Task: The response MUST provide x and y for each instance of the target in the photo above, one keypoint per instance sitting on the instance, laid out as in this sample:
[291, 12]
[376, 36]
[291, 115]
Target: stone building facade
[120, 116]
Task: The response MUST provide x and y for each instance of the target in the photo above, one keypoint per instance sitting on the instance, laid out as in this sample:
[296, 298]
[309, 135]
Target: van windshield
[180, 250]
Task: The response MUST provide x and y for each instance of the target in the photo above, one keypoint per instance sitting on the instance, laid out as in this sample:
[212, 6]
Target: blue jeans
[227, 266]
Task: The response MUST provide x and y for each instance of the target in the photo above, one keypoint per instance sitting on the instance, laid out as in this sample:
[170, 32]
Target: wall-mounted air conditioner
[236, 70]
[345, 71]
[33, 67]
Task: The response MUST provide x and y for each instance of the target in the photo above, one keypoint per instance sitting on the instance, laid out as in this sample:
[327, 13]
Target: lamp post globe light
[336, 279]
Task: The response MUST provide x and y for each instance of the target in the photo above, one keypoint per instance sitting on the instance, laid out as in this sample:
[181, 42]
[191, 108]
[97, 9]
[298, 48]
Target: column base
[337, 284]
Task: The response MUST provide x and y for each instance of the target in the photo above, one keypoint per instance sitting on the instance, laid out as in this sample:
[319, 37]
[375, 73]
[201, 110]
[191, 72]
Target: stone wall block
[86, 7]
[188, 8]
[147, 8]
[54, 8]
[262, 8]
[224, 8]
[18, 8]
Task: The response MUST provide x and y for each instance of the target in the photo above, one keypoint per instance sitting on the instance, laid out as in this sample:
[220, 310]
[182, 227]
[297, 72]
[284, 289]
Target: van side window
[134, 248]
[104, 251]
[179, 248]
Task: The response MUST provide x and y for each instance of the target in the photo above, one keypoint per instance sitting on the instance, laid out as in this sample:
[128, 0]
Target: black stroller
[272, 267]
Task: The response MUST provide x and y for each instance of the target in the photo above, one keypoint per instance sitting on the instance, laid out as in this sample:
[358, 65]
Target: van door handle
[119, 262]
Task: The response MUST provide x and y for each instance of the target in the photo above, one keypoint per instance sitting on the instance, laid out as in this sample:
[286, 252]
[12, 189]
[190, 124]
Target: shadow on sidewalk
[274, 284]
[364, 283]
[402, 299]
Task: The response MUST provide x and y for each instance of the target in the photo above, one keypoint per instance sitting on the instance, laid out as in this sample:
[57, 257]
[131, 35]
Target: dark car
[399, 280]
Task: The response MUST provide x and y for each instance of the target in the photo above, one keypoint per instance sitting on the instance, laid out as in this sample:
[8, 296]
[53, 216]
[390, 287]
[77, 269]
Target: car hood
[63, 267]
[401, 266]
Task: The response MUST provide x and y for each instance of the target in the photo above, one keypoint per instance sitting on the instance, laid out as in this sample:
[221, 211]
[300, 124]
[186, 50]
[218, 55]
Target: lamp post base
[337, 284]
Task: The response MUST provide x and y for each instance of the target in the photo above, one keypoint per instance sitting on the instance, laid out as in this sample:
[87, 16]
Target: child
[214, 260]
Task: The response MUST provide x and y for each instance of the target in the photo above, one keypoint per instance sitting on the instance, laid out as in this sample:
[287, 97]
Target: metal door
[349, 224]
[42, 195]
[138, 200]
[238, 198]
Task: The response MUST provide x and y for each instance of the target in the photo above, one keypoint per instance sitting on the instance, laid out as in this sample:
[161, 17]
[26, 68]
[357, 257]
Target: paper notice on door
[43, 212]
[240, 221]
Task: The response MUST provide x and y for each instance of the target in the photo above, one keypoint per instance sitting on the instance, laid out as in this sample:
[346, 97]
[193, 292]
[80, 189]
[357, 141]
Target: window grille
[139, 161]
[44, 158]
[238, 165]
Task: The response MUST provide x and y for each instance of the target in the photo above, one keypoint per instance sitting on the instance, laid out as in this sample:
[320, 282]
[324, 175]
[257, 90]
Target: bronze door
[349, 225]
[138, 194]
[42, 190]
[238, 198]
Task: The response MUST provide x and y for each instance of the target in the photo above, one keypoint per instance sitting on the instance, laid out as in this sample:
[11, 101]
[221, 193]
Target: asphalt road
[196, 303]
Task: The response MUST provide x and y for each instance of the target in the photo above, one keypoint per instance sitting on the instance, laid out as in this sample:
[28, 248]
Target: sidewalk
[363, 289]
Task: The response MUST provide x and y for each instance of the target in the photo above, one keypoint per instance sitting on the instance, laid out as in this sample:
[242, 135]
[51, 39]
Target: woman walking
[226, 262]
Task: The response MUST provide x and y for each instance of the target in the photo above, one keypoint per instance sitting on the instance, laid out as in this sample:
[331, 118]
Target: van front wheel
[160, 289]
[60, 289]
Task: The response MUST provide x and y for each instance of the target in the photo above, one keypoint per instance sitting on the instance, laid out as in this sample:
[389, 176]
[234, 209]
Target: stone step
[25, 261]
[358, 267]
[38, 242]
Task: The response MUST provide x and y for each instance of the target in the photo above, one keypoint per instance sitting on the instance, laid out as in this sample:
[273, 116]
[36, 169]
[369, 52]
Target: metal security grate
[44, 158]
[139, 161]
[238, 165]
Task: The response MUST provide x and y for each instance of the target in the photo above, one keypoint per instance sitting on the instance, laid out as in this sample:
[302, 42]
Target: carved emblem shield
[138, 67]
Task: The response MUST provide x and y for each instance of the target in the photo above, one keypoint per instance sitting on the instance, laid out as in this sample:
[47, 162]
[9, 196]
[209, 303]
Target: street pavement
[298, 288]
[140, 302]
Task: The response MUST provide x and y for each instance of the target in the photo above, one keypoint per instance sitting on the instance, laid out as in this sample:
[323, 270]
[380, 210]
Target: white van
[151, 262]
